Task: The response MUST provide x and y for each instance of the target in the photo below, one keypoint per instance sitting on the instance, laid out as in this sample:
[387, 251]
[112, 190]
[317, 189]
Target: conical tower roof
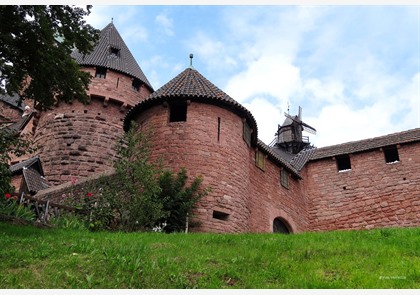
[190, 84]
[112, 53]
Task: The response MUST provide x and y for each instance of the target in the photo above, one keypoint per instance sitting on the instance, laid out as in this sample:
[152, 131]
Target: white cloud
[269, 75]
[267, 115]
[135, 34]
[166, 23]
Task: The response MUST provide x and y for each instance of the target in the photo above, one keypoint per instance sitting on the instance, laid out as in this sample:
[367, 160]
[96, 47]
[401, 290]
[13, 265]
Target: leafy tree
[35, 46]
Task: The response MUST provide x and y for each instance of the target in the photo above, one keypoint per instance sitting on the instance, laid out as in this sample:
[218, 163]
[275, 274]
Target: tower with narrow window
[77, 140]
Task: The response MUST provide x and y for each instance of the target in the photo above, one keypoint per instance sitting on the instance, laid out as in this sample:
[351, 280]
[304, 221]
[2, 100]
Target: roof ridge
[405, 136]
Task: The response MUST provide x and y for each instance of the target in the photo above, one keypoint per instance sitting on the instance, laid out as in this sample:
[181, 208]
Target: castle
[287, 186]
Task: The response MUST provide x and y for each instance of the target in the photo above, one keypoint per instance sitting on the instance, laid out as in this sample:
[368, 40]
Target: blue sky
[354, 70]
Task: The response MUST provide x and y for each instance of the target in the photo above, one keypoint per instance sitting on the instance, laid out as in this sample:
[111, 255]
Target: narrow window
[100, 72]
[118, 81]
[343, 163]
[136, 84]
[218, 129]
[114, 52]
[220, 215]
[178, 112]
[391, 155]
[247, 134]
[284, 178]
[260, 160]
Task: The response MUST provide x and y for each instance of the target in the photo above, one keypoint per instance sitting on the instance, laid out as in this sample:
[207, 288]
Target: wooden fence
[44, 209]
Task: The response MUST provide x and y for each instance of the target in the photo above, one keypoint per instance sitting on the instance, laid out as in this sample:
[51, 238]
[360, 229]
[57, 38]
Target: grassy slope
[61, 258]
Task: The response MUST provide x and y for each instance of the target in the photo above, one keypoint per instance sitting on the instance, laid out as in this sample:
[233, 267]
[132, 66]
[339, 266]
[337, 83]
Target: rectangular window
[136, 84]
[247, 133]
[220, 215]
[100, 72]
[284, 178]
[114, 52]
[343, 163]
[178, 112]
[260, 160]
[391, 155]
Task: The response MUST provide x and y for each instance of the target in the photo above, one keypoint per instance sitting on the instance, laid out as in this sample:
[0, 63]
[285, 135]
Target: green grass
[70, 258]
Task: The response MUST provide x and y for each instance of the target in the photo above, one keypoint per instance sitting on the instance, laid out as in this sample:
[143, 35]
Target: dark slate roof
[32, 172]
[408, 136]
[31, 162]
[277, 158]
[18, 126]
[190, 84]
[101, 55]
[299, 160]
[34, 181]
[12, 100]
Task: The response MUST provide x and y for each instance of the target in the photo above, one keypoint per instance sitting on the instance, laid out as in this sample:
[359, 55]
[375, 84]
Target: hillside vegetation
[75, 258]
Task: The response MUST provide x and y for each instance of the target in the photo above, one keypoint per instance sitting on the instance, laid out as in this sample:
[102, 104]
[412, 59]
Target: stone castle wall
[222, 159]
[372, 194]
[11, 114]
[270, 200]
[243, 198]
[78, 140]
[116, 87]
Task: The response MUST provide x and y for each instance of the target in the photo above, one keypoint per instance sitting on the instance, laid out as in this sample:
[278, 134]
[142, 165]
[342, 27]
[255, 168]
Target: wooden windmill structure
[289, 135]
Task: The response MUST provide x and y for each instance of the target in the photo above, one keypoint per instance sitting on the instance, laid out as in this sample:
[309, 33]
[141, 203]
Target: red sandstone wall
[373, 194]
[77, 140]
[269, 200]
[10, 113]
[223, 164]
[16, 182]
[116, 86]
[251, 197]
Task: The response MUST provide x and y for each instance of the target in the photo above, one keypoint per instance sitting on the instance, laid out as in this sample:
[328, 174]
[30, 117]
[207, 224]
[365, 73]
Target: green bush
[140, 196]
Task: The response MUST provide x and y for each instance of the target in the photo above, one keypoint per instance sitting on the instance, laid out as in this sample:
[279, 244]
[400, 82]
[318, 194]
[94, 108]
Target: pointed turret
[112, 53]
[191, 85]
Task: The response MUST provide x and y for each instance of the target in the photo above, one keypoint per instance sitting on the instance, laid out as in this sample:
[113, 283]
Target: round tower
[77, 140]
[197, 126]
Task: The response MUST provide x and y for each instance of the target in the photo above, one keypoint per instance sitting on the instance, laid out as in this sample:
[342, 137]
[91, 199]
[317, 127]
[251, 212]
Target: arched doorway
[281, 226]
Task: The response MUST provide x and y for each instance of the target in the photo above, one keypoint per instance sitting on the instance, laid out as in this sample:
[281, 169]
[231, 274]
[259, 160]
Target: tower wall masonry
[372, 194]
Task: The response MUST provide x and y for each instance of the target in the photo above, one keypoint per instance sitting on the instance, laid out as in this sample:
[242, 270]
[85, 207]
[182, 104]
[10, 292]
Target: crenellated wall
[372, 194]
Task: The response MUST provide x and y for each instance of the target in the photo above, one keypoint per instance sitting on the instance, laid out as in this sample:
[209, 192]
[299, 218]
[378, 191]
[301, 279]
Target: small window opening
[260, 160]
[218, 129]
[85, 111]
[100, 72]
[118, 81]
[343, 163]
[284, 178]
[220, 215]
[114, 52]
[136, 84]
[279, 226]
[247, 134]
[178, 112]
[391, 155]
